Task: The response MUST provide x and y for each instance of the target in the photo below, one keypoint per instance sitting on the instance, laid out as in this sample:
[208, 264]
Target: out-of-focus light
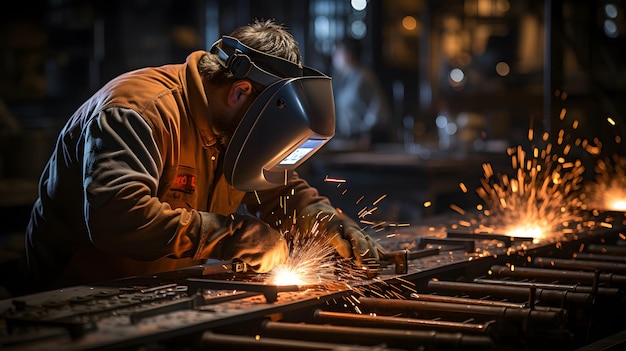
[503, 69]
[503, 6]
[526, 231]
[610, 10]
[457, 75]
[441, 121]
[618, 205]
[322, 27]
[358, 5]
[358, 29]
[610, 28]
[409, 23]
[451, 128]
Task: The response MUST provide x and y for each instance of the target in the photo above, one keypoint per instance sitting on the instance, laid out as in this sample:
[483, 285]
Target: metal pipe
[599, 257]
[609, 292]
[586, 265]
[215, 341]
[507, 240]
[543, 319]
[269, 291]
[482, 302]
[560, 275]
[606, 249]
[373, 336]
[352, 319]
[401, 257]
[545, 296]
[468, 245]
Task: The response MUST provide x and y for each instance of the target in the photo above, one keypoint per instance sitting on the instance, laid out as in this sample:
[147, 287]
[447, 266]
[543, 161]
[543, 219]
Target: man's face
[226, 123]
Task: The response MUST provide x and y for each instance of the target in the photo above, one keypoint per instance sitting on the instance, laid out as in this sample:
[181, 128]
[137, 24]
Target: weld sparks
[312, 262]
[542, 198]
[608, 190]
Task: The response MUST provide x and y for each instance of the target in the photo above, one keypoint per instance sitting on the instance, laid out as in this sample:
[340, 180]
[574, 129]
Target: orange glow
[526, 231]
[618, 205]
[409, 23]
[608, 190]
[287, 275]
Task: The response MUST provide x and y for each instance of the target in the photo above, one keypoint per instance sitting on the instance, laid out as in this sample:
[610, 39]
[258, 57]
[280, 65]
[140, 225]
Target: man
[136, 183]
[362, 110]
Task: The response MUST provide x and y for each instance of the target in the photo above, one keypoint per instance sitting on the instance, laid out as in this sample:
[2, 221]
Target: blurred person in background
[361, 108]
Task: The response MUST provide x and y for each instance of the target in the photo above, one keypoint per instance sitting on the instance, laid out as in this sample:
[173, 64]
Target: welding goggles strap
[242, 60]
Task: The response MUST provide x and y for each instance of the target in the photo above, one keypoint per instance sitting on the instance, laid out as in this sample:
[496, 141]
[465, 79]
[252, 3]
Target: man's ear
[239, 92]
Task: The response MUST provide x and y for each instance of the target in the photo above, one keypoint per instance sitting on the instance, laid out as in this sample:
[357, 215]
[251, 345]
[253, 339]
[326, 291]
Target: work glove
[344, 234]
[248, 239]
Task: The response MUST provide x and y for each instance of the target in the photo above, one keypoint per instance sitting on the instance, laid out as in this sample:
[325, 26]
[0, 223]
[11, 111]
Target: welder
[166, 167]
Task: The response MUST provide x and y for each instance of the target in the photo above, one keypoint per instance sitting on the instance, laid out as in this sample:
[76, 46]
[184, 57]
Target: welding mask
[289, 121]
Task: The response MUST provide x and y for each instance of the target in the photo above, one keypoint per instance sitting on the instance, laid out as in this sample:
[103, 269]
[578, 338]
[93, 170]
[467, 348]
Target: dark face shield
[287, 123]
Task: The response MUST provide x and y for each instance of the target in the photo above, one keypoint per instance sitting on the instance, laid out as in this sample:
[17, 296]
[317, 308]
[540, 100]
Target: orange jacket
[134, 184]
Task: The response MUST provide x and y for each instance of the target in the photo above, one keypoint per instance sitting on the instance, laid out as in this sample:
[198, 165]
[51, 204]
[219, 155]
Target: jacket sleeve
[121, 170]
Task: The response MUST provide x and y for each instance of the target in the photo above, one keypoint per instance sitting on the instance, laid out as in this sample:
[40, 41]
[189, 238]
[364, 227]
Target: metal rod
[401, 257]
[185, 303]
[599, 257]
[526, 315]
[589, 290]
[561, 275]
[468, 301]
[606, 249]
[269, 291]
[468, 245]
[506, 239]
[586, 265]
[545, 296]
[211, 341]
[374, 336]
[398, 322]
[532, 296]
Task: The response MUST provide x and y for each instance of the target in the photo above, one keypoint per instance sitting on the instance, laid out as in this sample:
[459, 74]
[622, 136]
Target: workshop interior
[496, 186]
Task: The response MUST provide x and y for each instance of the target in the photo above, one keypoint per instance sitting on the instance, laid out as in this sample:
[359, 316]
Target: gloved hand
[249, 239]
[347, 237]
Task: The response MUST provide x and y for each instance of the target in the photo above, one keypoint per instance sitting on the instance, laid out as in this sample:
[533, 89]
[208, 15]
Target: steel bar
[215, 341]
[184, 303]
[351, 319]
[468, 245]
[586, 265]
[269, 291]
[599, 257]
[561, 275]
[506, 239]
[545, 296]
[542, 319]
[400, 258]
[616, 292]
[606, 249]
[481, 302]
[372, 336]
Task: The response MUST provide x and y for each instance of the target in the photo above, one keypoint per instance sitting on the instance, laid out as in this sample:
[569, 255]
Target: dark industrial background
[493, 68]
